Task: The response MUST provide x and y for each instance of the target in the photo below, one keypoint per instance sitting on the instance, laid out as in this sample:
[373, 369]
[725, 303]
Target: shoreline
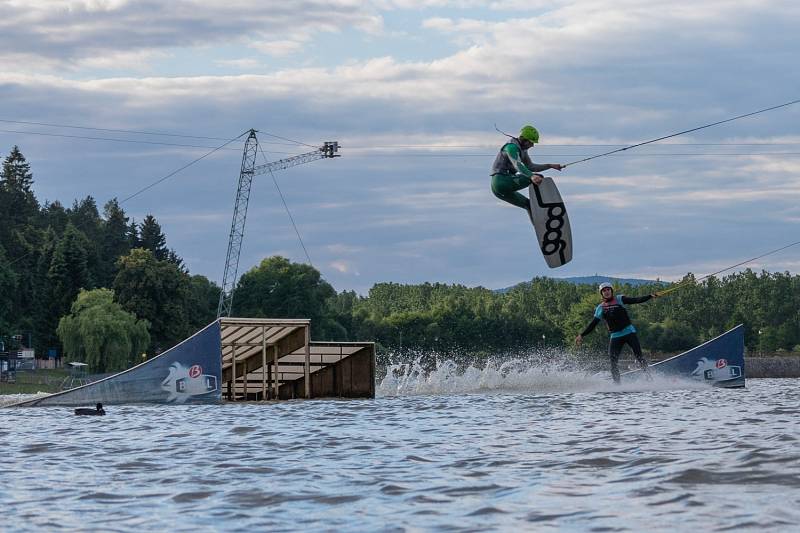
[772, 366]
[786, 366]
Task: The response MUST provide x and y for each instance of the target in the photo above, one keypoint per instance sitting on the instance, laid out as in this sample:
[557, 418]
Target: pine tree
[151, 238]
[16, 181]
[177, 260]
[86, 219]
[54, 215]
[133, 235]
[18, 204]
[17, 172]
[44, 312]
[115, 240]
[8, 285]
[68, 271]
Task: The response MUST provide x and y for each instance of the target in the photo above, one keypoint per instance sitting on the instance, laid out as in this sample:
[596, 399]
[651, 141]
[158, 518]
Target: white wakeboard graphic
[550, 220]
[183, 383]
[716, 370]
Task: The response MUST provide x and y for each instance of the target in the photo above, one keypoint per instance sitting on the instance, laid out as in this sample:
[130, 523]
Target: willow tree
[101, 334]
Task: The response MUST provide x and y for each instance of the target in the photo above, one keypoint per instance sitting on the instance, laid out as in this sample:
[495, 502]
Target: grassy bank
[33, 381]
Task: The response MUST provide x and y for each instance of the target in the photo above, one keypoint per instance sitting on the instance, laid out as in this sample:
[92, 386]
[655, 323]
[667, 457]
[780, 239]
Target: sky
[412, 90]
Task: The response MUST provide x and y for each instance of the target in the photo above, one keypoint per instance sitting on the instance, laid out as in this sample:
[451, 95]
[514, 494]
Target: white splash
[519, 374]
[11, 399]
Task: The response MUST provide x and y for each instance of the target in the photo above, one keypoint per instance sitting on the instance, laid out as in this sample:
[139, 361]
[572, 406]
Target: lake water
[448, 450]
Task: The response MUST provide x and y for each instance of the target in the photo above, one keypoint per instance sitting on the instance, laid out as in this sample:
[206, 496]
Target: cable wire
[286, 206]
[20, 258]
[134, 132]
[113, 130]
[286, 139]
[132, 141]
[570, 145]
[685, 283]
[187, 165]
[354, 153]
[108, 139]
[685, 131]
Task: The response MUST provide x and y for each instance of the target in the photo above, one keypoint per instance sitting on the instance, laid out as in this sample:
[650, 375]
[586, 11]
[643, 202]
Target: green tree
[8, 285]
[19, 235]
[156, 291]
[203, 301]
[17, 200]
[342, 308]
[151, 238]
[54, 216]
[44, 316]
[133, 235]
[68, 272]
[669, 336]
[115, 240]
[85, 217]
[23, 252]
[278, 288]
[101, 334]
[579, 316]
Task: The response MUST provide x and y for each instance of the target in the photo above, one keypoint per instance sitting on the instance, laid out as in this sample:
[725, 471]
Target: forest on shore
[99, 287]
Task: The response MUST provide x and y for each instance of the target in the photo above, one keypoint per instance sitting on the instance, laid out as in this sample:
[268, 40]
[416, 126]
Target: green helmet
[529, 133]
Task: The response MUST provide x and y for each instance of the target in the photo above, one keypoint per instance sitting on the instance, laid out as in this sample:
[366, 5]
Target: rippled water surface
[537, 457]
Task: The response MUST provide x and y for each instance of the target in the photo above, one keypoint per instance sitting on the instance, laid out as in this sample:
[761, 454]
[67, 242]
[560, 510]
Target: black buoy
[97, 411]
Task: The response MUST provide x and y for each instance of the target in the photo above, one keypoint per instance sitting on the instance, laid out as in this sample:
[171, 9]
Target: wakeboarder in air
[513, 169]
[612, 311]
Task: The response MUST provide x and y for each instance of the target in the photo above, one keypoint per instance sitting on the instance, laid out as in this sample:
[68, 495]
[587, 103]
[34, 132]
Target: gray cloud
[74, 32]
[584, 72]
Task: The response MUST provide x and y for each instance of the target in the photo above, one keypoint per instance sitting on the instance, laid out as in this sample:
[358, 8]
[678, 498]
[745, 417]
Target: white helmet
[605, 285]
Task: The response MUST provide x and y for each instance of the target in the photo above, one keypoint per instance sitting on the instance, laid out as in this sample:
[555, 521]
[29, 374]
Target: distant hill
[597, 280]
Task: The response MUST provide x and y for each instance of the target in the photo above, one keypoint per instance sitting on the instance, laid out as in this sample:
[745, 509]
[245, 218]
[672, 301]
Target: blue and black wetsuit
[615, 315]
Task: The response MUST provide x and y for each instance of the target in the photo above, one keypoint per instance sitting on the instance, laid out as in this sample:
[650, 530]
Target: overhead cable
[187, 165]
[786, 104]
[673, 154]
[108, 139]
[130, 132]
[113, 130]
[286, 206]
[692, 282]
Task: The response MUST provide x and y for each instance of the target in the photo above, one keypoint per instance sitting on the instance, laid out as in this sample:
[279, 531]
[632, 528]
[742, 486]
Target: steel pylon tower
[237, 225]
[249, 170]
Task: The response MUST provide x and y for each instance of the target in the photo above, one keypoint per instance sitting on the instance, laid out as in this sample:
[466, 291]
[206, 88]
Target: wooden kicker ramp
[275, 359]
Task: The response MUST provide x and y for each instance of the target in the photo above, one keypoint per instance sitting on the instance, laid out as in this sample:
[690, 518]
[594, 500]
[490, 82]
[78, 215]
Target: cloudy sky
[412, 90]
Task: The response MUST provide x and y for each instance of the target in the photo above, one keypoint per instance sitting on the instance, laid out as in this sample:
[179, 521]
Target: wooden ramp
[275, 359]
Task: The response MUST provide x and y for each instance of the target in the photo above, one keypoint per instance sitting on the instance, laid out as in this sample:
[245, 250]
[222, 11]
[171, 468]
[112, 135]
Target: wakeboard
[549, 217]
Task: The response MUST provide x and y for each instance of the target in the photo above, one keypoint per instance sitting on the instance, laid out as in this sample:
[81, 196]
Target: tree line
[546, 312]
[105, 289]
[50, 253]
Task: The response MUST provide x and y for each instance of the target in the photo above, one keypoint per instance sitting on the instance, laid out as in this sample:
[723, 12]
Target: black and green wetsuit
[512, 171]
